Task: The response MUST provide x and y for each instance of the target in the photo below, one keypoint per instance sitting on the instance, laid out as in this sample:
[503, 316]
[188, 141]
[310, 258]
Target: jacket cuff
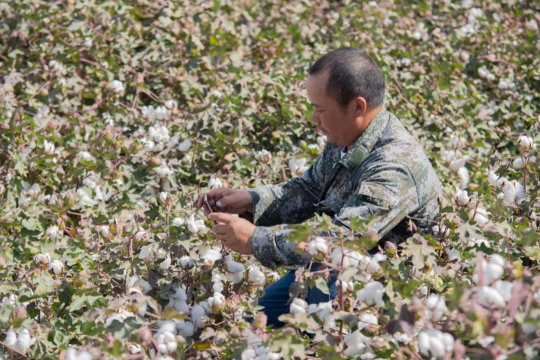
[262, 246]
[256, 214]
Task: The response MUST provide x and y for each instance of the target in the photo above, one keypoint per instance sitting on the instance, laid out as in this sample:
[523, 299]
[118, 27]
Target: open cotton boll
[504, 288]
[512, 192]
[186, 262]
[166, 343]
[214, 183]
[436, 307]
[185, 328]
[350, 257]
[298, 306]
[198, 316]
[53, 232]
[462, 197]
[491, 271]
[117, 86]
[345, 285]
[56, 266]
[163, 171]
[217, 300]
[298, 166]
[524, 143]
[171, 105]
[210, 255]
[255, 276]
[178, 221]
[494, 179]
[166, 264]
[372, 294]
[434, 343]
[73, 354]
[357, 344]
[489, 297]
[264, 156]
[463, 175]
[318, 245]
[233, 266]
[195, 226]
[184, 145]
[366, 320]
[481, 216]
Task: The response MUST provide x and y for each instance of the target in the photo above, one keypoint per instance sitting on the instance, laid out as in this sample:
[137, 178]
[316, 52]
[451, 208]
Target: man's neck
[368, 118]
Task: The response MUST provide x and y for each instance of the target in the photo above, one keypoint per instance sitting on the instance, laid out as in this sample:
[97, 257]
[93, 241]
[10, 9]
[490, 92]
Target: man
[371, 165]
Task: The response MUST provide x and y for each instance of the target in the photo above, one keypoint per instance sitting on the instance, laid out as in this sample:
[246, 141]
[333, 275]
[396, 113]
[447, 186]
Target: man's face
[331, 119]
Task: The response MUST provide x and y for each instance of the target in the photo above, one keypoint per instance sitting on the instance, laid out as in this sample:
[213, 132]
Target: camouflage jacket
[384, 173]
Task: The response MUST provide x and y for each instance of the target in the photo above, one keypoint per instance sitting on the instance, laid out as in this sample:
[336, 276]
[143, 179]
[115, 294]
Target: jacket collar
[365, 142]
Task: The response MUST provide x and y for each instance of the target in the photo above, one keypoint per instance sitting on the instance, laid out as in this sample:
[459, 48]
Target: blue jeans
[276, 296]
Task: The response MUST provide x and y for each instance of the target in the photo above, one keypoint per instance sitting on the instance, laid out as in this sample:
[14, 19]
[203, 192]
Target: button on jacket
[385, 173]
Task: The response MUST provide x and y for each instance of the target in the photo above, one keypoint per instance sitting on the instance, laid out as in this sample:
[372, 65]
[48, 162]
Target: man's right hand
[232, 201]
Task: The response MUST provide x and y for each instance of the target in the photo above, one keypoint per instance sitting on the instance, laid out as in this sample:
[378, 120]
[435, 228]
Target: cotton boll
[434, 343]
[184, 145]
[453, 254]
[117, 87]
[166, 264]
[217, 283]
[481, 216]
[372, 294]
[210, 255]
[166, 342]
[53, 232]
[198, 316]
[215, 183]
[178, 221]
[350, 257]
[462, 198]
[186, 262]
[56, 266]
[505, 289]
[217, 300]
[491, 271]
[494, 179]
[255, 276]
[357, 344]
[298, 306]
[171, 105]
[463, 175]
[297, 166]
[318, 245]
[345, 285]
[195, 226]
[185, 328]
[524, 143]
[488, 297]
[366, 320]
[436, 307]
[163, 171]
[264, 156]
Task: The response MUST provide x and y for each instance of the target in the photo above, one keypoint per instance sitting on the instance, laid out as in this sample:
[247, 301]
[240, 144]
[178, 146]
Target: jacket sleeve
[291, 202]
[385, 189]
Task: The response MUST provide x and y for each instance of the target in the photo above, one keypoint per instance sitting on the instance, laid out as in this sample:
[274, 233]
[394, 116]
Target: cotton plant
[119, 136]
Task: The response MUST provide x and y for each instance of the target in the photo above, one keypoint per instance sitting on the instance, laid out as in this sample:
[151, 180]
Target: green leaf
[322, 285]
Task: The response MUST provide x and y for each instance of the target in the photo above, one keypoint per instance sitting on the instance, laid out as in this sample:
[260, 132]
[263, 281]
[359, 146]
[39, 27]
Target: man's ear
[361, 106]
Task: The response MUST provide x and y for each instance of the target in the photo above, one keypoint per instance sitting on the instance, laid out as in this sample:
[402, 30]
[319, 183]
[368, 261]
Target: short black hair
[353, 73]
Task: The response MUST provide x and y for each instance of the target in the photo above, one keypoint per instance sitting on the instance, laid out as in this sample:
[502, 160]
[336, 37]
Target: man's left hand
[234, 232]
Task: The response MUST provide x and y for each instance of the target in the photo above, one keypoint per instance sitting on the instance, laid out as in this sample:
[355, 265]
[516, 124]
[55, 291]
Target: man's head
[346, 89]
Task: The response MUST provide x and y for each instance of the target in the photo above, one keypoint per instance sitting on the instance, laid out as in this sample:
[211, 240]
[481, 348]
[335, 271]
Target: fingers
[220, 229]
[220, 217]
